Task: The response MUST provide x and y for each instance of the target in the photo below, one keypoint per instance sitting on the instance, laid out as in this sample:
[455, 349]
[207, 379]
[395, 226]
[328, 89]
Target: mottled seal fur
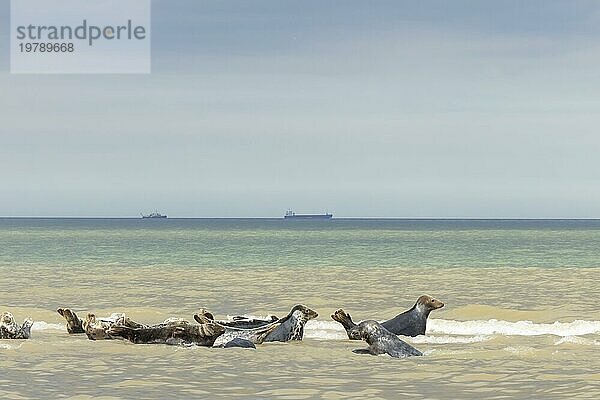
[290, 327]
[382, 341]
[412, 322]
[173, 333]
[9, 329]
[96, 328]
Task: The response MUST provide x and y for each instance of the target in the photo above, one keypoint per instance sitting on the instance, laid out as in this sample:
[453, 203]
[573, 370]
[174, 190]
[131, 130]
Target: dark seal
[410, 323]
[96, 328]
[382, 341]
[239, 342]
[74, 323]
[173, 333]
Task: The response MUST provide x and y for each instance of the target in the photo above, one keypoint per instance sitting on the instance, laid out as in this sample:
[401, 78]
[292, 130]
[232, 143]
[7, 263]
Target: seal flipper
[25, 332]
[204, 317]
[362, 351]
[346, 320]
[74, 323]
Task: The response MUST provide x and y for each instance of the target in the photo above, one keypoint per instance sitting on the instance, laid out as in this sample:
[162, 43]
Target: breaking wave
[519, 328]
[450, 331]
[45, 326]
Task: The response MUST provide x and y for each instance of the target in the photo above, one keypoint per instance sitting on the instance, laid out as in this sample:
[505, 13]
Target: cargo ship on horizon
[290, 214]
[154, 214]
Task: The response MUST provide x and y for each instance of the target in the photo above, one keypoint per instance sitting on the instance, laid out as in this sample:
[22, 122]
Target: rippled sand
[478, 346]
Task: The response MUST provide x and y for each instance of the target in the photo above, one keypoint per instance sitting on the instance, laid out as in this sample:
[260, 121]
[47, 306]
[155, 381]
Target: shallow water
[521, 316]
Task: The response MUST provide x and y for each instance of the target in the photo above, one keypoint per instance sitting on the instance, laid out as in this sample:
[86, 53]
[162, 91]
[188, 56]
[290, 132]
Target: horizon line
[430, 218]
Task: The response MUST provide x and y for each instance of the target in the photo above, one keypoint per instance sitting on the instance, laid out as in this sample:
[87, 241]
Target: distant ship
[289, 214]
[154, 214]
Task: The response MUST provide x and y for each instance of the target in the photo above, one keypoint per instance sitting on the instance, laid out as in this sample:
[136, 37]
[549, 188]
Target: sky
[362, 108]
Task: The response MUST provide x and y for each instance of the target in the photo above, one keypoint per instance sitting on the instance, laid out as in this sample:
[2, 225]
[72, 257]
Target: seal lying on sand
[9, 329]
[247, 323]
[382, 341]
[410, 323]
[290, 327]
[95, 327]
[173, 333]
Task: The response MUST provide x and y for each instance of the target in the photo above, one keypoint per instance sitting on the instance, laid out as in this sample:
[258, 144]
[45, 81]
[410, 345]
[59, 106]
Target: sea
[521, 316]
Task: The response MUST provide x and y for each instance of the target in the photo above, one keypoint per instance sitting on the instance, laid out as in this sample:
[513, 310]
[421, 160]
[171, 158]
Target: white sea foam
[324, 330]
[450, 331]
[445, 339]
[519, 328]
[6, 346]
[45, 326]
[577, 340]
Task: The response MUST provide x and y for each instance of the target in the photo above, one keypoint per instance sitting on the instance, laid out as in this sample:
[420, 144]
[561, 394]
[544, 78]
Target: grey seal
[382, 341]
[290, 327]
[74, 323]
[9, 329]
[247, 323]
[96, 328]
[412, 322]
[175, 332]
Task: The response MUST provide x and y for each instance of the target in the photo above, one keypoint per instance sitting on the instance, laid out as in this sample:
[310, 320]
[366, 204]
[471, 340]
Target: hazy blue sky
[364, 108]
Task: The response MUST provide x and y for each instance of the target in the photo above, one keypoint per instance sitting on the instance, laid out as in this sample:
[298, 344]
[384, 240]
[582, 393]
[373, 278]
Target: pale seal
[9, 329]
[382, 341]
[410, 323]
[290, 327]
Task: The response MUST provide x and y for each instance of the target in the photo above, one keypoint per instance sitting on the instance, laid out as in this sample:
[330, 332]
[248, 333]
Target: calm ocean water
[521, 316]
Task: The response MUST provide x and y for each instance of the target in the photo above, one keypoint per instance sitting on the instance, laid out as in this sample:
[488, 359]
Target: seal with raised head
[382, 341]
[176, 332]
[9, 329]
[290, 327]
[412, 322]
[74, 323]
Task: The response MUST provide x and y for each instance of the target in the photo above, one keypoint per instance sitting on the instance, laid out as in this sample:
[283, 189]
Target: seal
[9, 329]
[176, 332]
[74, 323]
[95, 327]
[290, 327]
[412, 322]
[247, 323]
[382, 341]
[239, 342]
